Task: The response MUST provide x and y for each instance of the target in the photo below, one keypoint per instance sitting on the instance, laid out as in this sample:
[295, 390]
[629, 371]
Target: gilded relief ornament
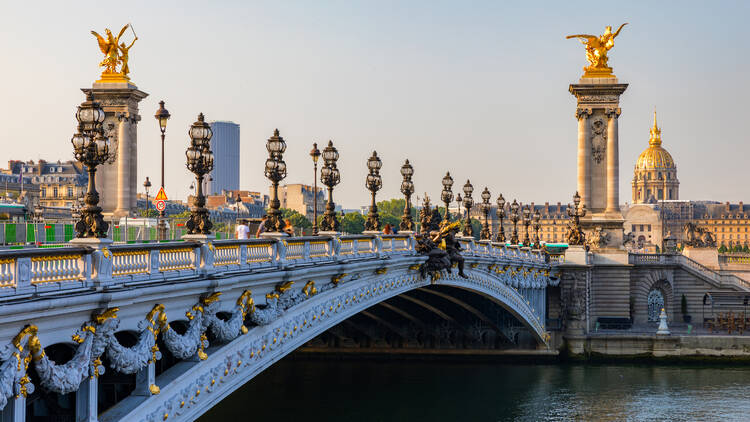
[597, 48]
[115, 54]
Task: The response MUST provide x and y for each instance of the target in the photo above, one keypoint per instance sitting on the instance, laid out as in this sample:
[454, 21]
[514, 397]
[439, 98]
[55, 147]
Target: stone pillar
[584, 151]
[123, 166]
[116, 180]
[14, 410]
[87, 409]
[145, 381]
[613, 162]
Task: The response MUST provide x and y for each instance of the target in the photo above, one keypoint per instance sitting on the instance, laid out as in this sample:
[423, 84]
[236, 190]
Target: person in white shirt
[242, 230]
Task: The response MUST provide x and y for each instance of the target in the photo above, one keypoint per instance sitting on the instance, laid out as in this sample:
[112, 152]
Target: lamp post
[91, 148]
[468, 203]
[485, 207]
[315, 154]
[275, 172]
[147, 186]
[537, 217]
[407, 188]
[330, 176]
[500, 215]
[459, 200]
[200, 161]
[526, 223]
[447, 195]
[162, 115]
[373, 183]
[575, 235]
[514, 219]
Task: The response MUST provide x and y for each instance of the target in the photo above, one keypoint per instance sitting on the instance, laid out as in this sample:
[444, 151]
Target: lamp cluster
[200, 161]
[91, 148]
[330, 177]
[407, 188]
[275, 171]
[373, 182]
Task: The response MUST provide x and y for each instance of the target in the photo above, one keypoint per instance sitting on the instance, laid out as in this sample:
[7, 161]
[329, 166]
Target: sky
[476, 88]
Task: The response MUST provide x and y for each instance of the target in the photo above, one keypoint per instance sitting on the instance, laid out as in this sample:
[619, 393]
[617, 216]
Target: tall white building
[225, 145]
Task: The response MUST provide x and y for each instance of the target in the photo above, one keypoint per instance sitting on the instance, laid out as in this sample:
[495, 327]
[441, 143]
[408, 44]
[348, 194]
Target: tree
[152, 213]
[722, 249]
[353, 223]
[297, 220]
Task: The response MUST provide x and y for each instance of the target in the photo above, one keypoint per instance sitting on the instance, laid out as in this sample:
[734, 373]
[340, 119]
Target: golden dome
[655, 157]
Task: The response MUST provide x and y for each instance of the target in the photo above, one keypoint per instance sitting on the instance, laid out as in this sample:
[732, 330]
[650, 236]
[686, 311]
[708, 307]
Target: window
[70, 191]
[669, 176]
[641, 227]
[661, 193]
[659, 176]
[43, 193]
[649, 227]
[54, 192]
[670, 194]
[632, 228]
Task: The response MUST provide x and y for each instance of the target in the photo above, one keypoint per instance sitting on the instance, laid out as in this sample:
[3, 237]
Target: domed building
[655, 175]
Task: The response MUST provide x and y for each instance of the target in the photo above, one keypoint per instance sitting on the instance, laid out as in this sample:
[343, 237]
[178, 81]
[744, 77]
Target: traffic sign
[161, 196]
[161, 205]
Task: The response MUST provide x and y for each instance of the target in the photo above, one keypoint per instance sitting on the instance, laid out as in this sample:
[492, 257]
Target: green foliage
[298, 220]
[746, 249]
[353, 223]
[722, 249]
[152, 213]
[181, 216]
[737, 248]
[476, 228]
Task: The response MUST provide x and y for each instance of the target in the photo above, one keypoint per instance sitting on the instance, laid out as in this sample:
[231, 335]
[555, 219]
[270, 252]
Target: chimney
[546, 208]
[742, 207]
[559, 208]
[728, 207]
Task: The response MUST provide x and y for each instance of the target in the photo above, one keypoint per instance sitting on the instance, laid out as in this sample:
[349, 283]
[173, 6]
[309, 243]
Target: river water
[437, 391]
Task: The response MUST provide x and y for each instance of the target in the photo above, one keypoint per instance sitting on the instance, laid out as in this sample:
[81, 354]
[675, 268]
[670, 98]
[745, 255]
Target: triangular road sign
[161, 196]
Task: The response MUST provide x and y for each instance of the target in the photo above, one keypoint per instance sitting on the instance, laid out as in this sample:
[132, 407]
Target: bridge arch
[193, 387]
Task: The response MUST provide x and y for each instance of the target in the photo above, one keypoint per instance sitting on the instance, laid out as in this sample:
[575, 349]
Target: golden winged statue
[596, 51]
[114, 53]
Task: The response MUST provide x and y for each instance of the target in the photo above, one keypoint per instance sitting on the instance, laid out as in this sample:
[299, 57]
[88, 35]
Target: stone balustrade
[28, 271]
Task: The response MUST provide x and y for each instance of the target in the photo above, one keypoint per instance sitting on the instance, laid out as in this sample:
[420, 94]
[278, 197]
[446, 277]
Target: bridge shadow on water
[366, 390]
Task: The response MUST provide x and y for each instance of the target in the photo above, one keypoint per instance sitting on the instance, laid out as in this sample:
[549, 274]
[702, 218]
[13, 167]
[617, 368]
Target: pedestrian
[288, 228]
[242, 231]
[262, 226]
[387, 229]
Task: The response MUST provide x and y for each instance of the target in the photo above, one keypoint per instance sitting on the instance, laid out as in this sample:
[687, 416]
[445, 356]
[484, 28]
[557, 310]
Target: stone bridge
[187, 323]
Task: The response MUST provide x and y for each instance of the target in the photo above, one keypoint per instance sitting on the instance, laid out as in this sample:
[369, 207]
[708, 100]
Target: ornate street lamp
[537, 216]
[315, 154]
[514, 219]
[330, 176]
[200, 161]
[526, 223]
[500, 215]
[373, 182]
[407, 188]
[576, 210]
[485, 207]
[275, 172]
[459, 201]
[147, 186]
[91, 148]
[468, 203]
[447, 195]
[162, 115]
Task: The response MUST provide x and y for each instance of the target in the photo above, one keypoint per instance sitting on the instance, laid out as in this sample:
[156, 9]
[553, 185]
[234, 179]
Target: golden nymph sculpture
[596, 52]
[115, 53]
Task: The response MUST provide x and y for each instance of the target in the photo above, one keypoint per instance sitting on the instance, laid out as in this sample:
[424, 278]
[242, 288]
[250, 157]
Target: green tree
[353, 223]
[746, 249]
[722, 249]
[152, 213]
[297, 220]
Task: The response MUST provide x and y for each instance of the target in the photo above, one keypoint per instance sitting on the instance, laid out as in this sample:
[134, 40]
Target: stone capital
[582, 112]
[612, 112]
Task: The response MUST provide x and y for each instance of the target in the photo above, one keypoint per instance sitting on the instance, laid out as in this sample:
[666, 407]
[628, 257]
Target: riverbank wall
[683, 348]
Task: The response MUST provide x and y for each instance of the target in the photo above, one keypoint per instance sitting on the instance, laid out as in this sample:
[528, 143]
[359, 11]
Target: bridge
[184, 324]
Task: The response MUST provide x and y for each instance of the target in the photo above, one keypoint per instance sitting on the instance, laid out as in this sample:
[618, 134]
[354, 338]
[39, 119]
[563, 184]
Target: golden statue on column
[596, 52]
[115, 53]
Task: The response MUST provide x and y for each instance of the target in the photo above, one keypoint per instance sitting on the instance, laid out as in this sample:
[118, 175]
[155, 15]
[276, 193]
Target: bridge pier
[87, 400]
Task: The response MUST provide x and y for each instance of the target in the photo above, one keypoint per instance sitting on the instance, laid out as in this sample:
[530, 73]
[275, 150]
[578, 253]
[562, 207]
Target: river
[294, 390]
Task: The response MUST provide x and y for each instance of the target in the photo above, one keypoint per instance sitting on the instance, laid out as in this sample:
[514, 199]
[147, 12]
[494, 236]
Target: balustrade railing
[28, 270]
[676, 259]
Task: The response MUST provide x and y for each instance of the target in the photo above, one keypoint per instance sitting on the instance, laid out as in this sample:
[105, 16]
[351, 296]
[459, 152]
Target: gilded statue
[115, 53]
[596, 51]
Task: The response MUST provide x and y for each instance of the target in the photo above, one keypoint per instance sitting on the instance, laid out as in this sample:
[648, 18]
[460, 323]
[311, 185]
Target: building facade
[655, 174]
[59, 184]
[299, 197]
[225, 144]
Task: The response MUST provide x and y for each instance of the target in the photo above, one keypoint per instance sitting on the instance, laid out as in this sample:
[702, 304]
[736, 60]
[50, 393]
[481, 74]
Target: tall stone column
[116, 180]
[123, 166]
[584, 150]
[613, 162]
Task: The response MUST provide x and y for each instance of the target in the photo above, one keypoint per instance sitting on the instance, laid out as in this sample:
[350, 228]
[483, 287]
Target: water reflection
[418, 391]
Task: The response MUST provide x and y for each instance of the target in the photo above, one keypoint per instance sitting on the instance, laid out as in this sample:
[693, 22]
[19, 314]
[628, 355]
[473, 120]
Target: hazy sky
[477, 88]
